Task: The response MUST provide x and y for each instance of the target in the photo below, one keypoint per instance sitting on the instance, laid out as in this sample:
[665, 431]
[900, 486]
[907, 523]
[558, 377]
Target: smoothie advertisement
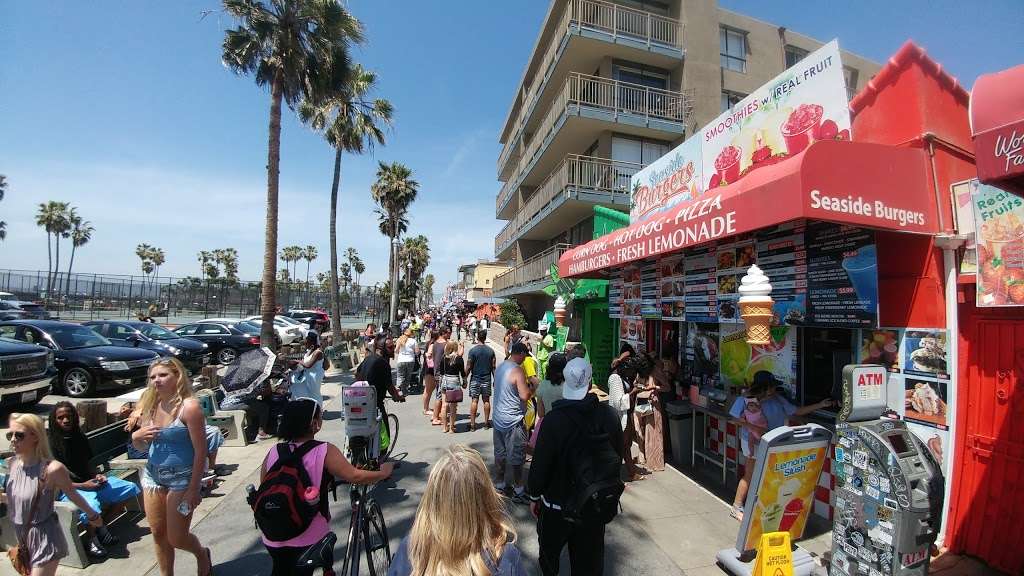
[673, 178]
[999, 234]
[785, 492]
[842, 276]
[740, 361]
[805, 104]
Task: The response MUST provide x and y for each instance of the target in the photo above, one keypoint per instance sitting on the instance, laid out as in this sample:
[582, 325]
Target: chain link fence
[85, 296]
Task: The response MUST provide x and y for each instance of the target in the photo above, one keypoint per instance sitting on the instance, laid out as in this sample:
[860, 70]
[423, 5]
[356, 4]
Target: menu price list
[615, 297]
[842, 276]
[672, 280]
[782, 255]
[649, 291]
[701, 286]
[732, 261]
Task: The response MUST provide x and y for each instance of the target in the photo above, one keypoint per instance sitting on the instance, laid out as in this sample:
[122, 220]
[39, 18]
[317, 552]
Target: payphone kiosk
[887, 483]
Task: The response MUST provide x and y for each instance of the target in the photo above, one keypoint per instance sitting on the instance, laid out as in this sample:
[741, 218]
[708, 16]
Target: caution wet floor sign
[774, 555]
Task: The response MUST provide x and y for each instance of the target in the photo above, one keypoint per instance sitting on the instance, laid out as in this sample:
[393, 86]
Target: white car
[292, 322]
[288, 333]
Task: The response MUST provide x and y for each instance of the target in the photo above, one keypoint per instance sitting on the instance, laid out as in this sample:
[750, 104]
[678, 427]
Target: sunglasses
[19, 436]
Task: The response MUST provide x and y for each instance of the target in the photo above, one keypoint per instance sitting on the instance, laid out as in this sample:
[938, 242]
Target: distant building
[610, 87]
[478, 279]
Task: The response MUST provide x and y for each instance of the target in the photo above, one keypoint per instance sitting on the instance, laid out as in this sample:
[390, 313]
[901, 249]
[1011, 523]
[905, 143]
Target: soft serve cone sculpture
[756, 306]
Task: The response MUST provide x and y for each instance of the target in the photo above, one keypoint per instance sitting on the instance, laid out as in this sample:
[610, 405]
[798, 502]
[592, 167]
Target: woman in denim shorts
[173, 433]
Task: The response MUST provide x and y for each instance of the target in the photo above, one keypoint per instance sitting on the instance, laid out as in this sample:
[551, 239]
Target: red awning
[997, 121]
[869, 185]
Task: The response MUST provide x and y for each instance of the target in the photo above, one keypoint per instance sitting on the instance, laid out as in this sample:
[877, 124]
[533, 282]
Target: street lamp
[393, 316]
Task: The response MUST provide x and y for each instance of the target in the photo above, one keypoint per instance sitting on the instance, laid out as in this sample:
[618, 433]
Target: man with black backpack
[575, 481]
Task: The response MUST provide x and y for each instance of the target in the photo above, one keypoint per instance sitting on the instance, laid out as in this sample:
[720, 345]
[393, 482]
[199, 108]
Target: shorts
[173, 478]
[510, 444]
[748, 448]
[114, 491]
[480, 387]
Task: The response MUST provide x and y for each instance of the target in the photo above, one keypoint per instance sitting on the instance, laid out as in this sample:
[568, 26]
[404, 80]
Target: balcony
[582, 108]
[566, 197]
[631, 33]
[530, 276]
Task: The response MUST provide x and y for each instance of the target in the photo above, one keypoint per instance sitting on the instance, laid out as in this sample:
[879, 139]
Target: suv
[24, 310]
[26, 371]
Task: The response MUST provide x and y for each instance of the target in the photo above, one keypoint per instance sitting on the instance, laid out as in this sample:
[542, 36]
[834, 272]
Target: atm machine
[888, 486]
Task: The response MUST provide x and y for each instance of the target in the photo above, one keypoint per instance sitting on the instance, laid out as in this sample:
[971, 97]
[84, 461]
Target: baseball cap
[519, 348]
[577, 374]
[764, 379]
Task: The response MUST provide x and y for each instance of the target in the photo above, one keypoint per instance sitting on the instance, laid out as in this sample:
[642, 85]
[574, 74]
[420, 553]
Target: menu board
[631, 325]
[842, 276]
[782, 255]
[701, 286]
[672, 282]
[732, 261]
[615, 297]
[650, 291]
[701, 354]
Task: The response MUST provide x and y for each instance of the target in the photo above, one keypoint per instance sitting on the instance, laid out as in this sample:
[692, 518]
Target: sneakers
[94, 549]
[520, 498]
[106, 537]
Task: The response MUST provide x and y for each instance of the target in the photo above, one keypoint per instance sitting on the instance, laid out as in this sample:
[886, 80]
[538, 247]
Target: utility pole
[394, 281]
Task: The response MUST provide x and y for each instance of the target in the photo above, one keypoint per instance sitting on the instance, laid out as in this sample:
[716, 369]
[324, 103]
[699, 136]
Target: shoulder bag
[19, 555]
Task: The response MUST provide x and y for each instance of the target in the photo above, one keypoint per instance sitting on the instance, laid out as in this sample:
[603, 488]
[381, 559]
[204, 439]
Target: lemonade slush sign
[804, 104]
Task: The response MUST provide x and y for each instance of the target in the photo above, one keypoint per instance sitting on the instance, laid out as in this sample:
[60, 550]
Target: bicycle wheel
[350, 566]
[375, 541]
[393, 436]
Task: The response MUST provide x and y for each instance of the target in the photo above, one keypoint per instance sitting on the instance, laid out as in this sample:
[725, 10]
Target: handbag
[454, 395]
[19, 555]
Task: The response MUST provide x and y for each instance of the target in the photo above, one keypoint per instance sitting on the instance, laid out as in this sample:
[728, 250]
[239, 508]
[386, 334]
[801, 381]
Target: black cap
[766, 380]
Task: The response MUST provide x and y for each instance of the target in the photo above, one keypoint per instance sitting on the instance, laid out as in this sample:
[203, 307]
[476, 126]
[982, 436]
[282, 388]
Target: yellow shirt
[530, 367]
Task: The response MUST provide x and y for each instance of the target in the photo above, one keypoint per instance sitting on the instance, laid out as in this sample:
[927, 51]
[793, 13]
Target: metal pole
[394, 280]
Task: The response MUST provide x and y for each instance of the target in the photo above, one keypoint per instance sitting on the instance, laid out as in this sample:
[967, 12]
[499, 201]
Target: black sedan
[85, 361]
[226, 339]
[148, 336]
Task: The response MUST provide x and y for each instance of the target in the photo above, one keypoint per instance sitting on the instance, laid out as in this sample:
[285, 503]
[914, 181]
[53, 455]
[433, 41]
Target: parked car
[29, 310]
[85, 361]
[318, 321]
[226, 339]
[148, 336]
[303, 327]
[8, 311]
[26, 372]
[286, 333]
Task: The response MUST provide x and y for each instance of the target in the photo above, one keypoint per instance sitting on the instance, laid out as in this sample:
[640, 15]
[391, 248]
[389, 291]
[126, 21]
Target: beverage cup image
[862, 269]
[728, 164]
[797, 129]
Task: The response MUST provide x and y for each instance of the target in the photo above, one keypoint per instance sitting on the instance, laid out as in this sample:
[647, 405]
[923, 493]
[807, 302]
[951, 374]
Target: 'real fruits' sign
[806, 103]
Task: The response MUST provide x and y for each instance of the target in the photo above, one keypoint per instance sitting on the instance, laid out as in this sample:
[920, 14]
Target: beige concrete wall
[483, 279]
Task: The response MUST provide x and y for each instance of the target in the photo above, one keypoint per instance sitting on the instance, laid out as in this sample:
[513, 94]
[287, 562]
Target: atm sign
[868, 382]
[908, 560]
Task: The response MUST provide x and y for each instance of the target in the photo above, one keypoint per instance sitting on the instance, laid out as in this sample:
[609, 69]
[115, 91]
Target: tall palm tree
[52, 217]
[145, 254]
[81, 233]
[428, 289]
[309, 253]
[3, 190]
[158, 257]
[350, 123]
[299, 48]
[393, 192]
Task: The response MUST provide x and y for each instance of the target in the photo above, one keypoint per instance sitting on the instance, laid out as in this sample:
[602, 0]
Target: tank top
[320, 526]
[171, 447]
[509, 409]
[22, 483]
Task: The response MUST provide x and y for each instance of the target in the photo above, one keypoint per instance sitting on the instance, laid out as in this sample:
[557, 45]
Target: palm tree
[309, 254]
[393, 192]
[3, 190]
[291, 254]
[81, 233]
[415, 257]
[299, 48]
[350, 123]
[145, 254]
[428, 289]
[205, 259]
[158, 257]
[346, 275]
[52, 217]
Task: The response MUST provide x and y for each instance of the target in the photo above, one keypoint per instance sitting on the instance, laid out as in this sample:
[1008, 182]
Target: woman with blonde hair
[453, 380]
[406, 352]
[33, 481]
[461, 527]
[173, 432]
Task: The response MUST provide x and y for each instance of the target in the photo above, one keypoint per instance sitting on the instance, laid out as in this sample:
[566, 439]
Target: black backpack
[281, 511]
[594, 468]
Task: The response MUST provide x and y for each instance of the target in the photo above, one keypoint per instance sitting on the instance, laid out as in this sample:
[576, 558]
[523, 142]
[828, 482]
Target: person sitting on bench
[106, 494]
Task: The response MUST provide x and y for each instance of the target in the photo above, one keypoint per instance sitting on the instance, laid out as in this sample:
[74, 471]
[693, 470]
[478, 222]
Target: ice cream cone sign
[756, 306]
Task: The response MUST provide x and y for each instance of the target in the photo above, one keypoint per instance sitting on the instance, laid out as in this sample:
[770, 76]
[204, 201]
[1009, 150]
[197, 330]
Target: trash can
[680, 426]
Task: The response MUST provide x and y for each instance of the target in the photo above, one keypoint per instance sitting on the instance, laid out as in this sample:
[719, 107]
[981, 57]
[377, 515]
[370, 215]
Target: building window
[730, 99]
[794, 55]
[850, 75]
[733, 46]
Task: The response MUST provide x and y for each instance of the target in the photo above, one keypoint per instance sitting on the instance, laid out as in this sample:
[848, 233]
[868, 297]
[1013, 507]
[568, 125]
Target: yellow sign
[774, 555]
[785, 494]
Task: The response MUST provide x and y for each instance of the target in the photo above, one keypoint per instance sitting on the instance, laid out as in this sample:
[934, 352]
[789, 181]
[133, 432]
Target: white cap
[577, 374]
[542, 325]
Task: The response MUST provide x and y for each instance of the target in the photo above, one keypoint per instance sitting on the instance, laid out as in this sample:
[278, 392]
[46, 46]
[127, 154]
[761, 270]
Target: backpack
[594, 467]
[281, 511]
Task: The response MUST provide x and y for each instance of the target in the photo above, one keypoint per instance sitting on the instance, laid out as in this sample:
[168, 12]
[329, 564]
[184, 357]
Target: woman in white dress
[308, 374]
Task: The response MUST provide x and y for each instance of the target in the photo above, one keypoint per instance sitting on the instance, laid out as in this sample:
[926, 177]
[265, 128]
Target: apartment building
[478, 279]
[610, 87]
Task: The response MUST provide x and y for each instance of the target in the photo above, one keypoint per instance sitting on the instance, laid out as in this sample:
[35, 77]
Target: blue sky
[125, 110]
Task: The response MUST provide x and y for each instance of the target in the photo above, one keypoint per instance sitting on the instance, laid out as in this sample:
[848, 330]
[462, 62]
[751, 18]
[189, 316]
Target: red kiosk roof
[997, 121]
[869, 185]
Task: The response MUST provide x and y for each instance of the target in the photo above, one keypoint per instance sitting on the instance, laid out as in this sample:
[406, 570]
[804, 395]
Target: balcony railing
[614, 19]
[574, 175]
[533, 270]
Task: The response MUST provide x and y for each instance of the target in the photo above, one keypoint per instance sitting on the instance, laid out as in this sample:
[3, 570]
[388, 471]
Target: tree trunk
[49, 268]
[335, 304]
[67, 281]
[268, 307]
[56, 261]
[394, 283]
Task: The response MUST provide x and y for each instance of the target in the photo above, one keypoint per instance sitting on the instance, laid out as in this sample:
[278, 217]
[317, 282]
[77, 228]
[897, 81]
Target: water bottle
[250, 495]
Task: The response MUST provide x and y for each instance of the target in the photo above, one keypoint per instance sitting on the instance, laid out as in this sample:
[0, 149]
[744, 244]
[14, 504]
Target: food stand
[847, 208]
